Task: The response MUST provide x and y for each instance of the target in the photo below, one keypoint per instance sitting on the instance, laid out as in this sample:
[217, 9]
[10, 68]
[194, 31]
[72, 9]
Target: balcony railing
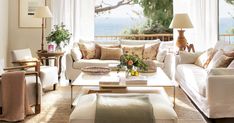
[227, 37]
[162, 37]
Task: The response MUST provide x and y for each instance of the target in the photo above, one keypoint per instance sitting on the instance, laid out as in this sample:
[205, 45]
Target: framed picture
[26, 13]
[226, 20]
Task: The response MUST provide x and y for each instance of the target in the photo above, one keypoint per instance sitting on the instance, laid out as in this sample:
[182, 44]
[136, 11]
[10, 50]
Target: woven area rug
[56, 108]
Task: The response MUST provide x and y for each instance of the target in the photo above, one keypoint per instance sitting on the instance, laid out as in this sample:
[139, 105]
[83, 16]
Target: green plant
[131, 61]
[59, 35]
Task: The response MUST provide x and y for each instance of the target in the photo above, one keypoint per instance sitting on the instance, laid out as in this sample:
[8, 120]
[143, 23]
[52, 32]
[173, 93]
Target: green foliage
[59, 35]
[230, 2]
[159, 14]
[131, 60]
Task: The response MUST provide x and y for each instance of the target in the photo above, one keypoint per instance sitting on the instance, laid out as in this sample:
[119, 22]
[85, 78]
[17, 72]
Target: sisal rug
[56, 108]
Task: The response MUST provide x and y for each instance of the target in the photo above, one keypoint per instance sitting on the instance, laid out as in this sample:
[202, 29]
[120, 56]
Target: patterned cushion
[204, 59]
[220, 60]
[111, 53]
[87, 50]
[151, 51]
[133, 50]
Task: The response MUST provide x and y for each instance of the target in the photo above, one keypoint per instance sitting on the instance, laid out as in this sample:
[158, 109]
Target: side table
[58, 59]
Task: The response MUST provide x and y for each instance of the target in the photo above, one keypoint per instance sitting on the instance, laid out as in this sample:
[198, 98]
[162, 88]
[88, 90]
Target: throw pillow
[76, 54]
[220, 60]
[151, 66]
[133, 50]
[187, 57]
[231, 66]
[161, 55]
[151, 51]
[98, 49]
[87, 50]
[229, 54]
[111, 53]
[204, 59]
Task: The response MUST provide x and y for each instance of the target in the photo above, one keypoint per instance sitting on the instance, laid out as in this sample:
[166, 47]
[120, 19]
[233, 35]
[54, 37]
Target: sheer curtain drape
[77, 15]
[203, 14]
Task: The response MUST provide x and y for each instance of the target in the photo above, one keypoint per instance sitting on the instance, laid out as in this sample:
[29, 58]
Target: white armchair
[48, 74]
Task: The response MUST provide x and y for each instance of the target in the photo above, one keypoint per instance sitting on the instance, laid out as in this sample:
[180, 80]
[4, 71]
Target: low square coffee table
[157, 79]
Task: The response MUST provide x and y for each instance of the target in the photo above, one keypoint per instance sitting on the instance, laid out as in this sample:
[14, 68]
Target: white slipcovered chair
[34, 89]
[48, 74]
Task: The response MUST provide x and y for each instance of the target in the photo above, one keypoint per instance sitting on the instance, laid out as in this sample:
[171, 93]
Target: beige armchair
[48, 74]
[34, 89]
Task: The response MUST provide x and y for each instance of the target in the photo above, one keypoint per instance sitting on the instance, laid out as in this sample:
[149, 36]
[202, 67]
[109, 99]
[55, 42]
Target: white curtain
[203, 14]
[77, 15]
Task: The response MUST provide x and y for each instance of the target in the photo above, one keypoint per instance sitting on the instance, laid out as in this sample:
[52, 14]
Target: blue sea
[114, 26]
[225, 25]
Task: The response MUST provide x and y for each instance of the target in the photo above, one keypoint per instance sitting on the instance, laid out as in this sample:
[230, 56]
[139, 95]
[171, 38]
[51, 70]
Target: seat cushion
[93, 62]
[194, 77]
[103, 63]
[48, 75]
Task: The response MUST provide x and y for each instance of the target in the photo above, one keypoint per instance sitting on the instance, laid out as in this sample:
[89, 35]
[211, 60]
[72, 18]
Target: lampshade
[43, 12]
[181, 21]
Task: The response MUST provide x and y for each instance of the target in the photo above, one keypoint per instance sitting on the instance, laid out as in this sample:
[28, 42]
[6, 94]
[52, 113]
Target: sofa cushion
[220, 60]
[133, 50]
[76, 54]
[111, 53]
[87, 50]
[167, 45]
[161, 55]
[104, 63]
[231, 65]
[204, 59]
[99, 46]
[194, 77]
[93, 62]
[150, 51]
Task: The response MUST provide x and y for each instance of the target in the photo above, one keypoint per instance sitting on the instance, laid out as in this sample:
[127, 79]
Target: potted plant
[132, 63]
[60, 36]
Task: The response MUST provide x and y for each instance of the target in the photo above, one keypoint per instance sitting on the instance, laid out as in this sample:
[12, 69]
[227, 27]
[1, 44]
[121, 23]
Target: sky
[134, 11]
[223, 13]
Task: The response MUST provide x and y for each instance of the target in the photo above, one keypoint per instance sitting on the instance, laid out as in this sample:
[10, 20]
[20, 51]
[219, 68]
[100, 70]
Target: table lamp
[181, 21]
[43, 12]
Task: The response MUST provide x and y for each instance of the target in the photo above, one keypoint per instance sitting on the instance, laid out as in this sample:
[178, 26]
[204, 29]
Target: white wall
[3, 29]
[20, 38]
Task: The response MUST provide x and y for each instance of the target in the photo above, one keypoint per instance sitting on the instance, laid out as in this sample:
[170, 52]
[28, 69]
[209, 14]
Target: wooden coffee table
[158, 79]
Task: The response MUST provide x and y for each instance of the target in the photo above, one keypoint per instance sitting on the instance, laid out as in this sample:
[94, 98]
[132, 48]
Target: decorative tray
[96, 70]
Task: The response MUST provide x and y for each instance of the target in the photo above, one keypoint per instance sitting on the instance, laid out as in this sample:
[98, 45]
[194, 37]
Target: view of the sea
[114, 26]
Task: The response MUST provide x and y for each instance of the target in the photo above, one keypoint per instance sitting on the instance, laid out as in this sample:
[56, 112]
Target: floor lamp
[181, 21]
[43, 12]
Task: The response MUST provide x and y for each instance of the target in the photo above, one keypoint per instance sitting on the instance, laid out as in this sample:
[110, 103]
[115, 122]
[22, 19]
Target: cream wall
[20, 38]
[3, 29]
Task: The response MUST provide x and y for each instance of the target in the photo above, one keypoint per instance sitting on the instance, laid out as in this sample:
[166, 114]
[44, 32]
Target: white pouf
[85, 110]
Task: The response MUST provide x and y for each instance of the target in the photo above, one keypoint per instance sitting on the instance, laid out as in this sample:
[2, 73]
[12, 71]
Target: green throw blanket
[123, 109]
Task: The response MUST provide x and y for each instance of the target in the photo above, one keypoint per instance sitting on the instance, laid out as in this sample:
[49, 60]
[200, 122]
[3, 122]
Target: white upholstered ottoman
[85, 110]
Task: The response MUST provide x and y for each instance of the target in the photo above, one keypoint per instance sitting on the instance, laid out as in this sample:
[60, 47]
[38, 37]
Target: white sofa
[73, 68]
[211, 90]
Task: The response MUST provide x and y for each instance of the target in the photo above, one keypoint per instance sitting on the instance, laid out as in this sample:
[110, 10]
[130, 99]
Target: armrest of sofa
[187, 57]
[221, 71]
[220, 89]
[69, 61]
[169, 65]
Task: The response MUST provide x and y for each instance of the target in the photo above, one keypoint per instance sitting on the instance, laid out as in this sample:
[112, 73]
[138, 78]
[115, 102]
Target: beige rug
[56, 108]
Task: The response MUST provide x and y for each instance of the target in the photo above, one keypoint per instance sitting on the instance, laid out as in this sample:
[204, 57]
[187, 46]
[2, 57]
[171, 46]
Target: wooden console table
[58, 59]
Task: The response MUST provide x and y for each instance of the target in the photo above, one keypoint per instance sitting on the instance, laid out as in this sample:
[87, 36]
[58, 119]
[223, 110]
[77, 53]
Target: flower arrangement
[59, 35]
[131, 62]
